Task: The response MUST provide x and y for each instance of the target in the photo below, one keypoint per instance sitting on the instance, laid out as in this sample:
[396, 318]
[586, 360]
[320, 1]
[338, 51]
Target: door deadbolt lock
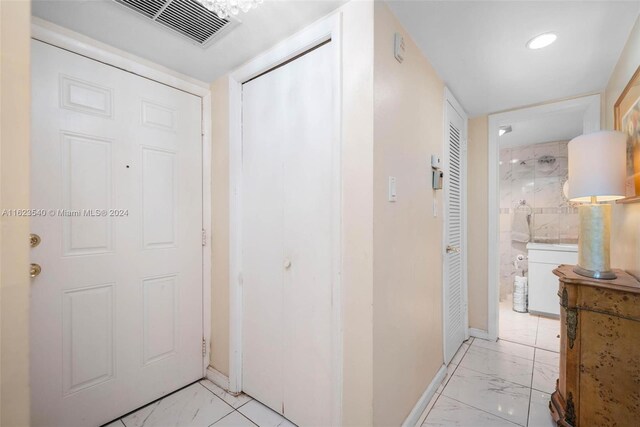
[34, 240]
[35, 270]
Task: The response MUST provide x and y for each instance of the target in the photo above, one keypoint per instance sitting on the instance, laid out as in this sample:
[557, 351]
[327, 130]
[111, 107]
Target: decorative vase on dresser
[599, 382]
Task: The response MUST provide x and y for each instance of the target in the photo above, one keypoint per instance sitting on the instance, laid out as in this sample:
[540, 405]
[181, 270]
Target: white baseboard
[479, 333]
[218, 378]
[414, 416]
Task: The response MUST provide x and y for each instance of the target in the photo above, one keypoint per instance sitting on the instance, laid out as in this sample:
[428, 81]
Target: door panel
[288, 223]
[262, 244]
[308, 214]
[116, 314]
[454, 271]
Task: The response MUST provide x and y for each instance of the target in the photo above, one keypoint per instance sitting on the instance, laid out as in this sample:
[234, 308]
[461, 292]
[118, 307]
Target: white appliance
[543, 284]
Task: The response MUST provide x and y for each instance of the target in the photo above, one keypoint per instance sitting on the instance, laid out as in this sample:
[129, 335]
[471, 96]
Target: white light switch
[393, 195]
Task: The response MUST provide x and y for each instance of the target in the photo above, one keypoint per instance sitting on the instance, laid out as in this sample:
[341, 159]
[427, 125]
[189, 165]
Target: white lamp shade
[597, 163]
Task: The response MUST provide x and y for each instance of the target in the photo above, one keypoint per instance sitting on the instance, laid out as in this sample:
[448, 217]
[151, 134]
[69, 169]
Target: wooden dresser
[599, 382]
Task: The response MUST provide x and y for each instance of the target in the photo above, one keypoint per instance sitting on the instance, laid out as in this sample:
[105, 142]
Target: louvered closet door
[454, 291]
[287, 227]
[116, 314]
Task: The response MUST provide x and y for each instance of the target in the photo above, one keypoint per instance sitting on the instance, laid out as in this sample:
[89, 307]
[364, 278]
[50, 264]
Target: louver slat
[146, 7]
[187, 17]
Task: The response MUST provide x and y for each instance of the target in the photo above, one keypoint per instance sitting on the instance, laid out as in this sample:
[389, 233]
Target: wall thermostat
[399, 49]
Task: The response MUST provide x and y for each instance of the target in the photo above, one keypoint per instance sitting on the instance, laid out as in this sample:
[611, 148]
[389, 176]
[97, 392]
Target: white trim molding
[318, 33]
[218, 378]
[71, 41]
[479, 333]
[590, 105]
[421, 405]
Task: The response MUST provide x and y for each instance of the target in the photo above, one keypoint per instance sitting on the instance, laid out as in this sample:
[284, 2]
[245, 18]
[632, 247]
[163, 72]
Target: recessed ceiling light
[504, 129]
[543, 40]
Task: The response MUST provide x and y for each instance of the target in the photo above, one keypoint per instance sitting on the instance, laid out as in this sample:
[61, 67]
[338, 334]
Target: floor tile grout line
[250, 420]
[250, 399]
[239, 394]
[529, 407]
[533, 372]
[444, 384]
[437, 396]
[502, 379]
[224, 416]
[496, 377]
[241, 414]
[541, 391]
[528, 345]
[155, 402]
[228, 404]
[452, 373]
[504, 352]
[449, 379]
[482, 410]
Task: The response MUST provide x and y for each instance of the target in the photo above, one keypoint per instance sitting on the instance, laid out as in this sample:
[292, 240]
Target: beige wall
[14, 193]
[357, 214]
[219, 356]
[407, 293]
[477, 220]
[625, 237]
[357, 217]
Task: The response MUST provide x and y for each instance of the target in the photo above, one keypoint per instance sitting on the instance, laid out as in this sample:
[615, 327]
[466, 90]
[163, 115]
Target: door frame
[71, 41]
[316, 34]
[591, 123]
[451, 100]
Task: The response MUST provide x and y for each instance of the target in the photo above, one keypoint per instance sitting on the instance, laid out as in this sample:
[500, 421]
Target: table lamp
[597, 163]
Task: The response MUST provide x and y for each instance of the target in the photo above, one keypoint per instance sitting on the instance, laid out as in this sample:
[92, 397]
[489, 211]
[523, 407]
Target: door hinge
[204, 237]
[204, 347]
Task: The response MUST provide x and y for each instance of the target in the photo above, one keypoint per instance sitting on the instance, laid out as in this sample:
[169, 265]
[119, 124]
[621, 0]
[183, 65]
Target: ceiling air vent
[186, 17]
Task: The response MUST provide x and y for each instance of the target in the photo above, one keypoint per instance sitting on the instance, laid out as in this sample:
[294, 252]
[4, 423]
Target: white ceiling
[118, 26]
[478, 47]
[556, 126]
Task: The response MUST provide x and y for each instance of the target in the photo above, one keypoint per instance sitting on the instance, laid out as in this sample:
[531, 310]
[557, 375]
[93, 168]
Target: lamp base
[604, 275]
[594, 241]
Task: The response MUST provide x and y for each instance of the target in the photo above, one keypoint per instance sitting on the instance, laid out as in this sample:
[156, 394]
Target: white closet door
[288, 268]
[454, 290]
[116, 314]
[308, 216]
[263, 123]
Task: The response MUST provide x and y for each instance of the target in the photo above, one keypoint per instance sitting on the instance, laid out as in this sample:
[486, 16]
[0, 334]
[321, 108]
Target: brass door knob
[34, 240]
[35, 270]
[453, 250]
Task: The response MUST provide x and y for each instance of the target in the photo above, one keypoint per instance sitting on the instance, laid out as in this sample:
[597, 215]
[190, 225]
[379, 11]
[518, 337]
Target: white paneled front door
[116, 313]
[289, 217]
[454, 295]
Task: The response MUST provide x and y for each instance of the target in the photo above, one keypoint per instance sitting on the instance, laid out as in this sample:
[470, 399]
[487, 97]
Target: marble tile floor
[524, 328]
[203, 404]
[503, 383]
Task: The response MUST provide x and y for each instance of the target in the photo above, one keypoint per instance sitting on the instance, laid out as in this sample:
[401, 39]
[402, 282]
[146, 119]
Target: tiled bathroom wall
[534, 174]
